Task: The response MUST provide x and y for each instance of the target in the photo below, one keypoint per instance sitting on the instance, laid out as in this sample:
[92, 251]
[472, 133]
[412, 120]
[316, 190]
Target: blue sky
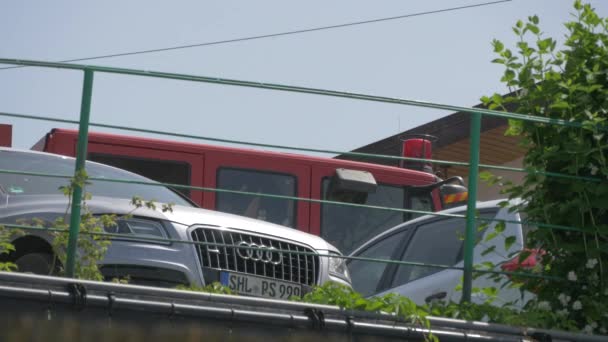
[442, 57]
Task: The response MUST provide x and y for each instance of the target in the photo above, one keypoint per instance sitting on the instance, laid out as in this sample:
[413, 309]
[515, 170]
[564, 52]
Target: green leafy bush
[214, 287]
[332, 293]
[571, 85]
[6, 247]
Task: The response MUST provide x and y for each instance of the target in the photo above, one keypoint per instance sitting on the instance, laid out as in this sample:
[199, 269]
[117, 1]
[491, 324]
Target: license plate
[259, 286]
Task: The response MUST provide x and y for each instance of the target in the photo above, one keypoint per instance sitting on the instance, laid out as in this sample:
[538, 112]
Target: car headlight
[337, 266]
[137, 227]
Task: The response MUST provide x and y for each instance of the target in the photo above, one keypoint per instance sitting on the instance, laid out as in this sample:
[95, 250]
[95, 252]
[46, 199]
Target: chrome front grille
[273, 258]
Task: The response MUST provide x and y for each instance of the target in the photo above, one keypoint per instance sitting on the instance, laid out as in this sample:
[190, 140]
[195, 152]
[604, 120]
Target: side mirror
[453, 195]
[351, 186]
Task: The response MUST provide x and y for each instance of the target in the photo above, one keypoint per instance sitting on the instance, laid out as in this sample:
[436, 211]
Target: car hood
[192, 216]
[186, 216]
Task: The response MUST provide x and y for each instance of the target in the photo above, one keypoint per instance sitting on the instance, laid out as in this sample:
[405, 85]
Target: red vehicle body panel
[206, 159]
[6, 135]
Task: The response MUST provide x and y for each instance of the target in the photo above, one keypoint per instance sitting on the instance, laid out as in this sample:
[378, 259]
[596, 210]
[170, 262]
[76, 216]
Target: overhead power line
[308, 30]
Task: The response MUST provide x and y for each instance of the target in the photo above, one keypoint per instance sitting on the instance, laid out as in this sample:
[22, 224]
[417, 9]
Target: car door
[437, 241]
[367, 275]
[434, 242]
[494, 250]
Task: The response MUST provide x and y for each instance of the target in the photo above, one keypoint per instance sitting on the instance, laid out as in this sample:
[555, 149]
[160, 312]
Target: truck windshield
[347, 227]
[18, 184]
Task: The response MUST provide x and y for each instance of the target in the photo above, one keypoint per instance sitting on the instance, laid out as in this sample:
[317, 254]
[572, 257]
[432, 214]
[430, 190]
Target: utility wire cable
[272, 35]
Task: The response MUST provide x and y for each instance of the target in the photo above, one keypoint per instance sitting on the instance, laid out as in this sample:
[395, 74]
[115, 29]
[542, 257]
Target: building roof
[453, 132]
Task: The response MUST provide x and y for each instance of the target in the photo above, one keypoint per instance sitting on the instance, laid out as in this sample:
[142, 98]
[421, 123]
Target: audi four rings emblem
[257, 252]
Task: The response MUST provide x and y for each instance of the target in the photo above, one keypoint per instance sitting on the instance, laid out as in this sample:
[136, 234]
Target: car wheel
[37, 263]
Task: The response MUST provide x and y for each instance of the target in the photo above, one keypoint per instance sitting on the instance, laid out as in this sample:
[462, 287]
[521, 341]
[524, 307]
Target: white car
[286, 262]
[439, 240]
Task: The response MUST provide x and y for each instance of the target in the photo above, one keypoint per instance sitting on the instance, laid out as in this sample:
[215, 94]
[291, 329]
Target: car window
[366, 275]
[438, 242]
[20, 185]
[276, 210]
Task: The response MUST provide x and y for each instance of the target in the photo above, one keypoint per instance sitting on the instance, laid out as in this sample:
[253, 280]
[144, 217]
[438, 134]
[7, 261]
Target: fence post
[81, 156]
[471, 227]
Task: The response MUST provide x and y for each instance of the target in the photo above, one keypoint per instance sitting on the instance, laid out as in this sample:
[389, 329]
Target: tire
[36, 263]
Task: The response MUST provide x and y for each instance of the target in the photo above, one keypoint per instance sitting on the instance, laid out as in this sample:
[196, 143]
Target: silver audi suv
[188, 245]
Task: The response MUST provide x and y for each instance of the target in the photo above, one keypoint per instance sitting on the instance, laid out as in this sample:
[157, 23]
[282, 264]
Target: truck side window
[421, 201]
[276, 210]
[348, 227]
[164, 171]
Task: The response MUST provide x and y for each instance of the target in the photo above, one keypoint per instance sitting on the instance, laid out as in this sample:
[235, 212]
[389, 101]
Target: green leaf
[486, 175]
[488, 251]
[491, 236]
[488, 265]
[361, 303]
[490, 291]
[534, 19]
[560, 105]
[533, 28]
[498, 45]
[544, 44]
[509, 75]
[509, 241]
[497, 98]
[500, 227]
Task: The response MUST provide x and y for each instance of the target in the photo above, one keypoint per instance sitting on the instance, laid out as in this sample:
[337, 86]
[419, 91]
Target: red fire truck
[276, 173]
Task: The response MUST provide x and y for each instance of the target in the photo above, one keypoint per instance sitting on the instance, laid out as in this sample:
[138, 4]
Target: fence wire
[473, 165]
[303, 199]
[305, 149]
[139, 238]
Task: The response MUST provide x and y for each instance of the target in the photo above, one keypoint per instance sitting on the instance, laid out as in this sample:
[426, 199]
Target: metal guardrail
[110, 305]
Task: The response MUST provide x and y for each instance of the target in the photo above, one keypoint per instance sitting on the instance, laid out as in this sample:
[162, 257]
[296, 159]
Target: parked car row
[267, 271]
[249, 255]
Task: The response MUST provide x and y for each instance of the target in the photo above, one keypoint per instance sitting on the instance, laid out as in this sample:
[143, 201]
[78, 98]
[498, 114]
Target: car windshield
[18, 184]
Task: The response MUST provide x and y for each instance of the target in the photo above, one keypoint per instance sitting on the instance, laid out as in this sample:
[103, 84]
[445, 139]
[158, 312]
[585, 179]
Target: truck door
[348, 227]
[259, 173]
[157, 164]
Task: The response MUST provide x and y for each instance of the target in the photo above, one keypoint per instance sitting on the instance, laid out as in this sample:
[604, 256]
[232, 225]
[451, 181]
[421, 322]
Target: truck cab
[289, 185]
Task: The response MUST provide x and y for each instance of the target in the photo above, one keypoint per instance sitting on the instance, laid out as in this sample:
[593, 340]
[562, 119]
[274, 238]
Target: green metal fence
[473, 164]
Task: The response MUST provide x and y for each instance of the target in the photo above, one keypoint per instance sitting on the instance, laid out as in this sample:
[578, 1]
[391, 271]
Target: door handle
[438, 295]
